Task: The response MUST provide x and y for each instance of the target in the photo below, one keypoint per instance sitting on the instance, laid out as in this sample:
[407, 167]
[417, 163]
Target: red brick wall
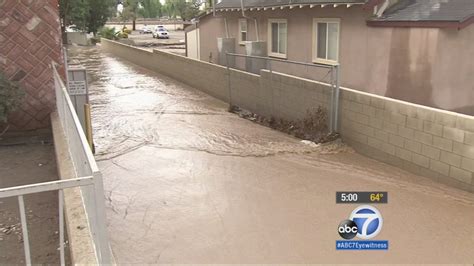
[30, 39]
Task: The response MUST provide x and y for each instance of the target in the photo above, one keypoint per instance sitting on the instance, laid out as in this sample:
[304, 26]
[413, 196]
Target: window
[242, 31]
[277, 37]
[326, 41]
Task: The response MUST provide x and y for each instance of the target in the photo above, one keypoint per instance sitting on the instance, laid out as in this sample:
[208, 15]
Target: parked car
[159, 27]
[161, 33]
[146, 30]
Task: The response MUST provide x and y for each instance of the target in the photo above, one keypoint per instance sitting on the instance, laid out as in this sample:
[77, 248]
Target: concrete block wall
[429, 142]
[245, 90]
[289, 97]
[79, 38]
[426, 141]
[278, 95]
[203, 76]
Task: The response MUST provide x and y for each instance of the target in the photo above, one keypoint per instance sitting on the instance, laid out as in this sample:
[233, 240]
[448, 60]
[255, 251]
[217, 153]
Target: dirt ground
[188, 182]
[23, 161]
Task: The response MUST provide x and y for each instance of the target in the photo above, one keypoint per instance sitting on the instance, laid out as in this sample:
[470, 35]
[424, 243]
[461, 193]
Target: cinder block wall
[426, 141]
[430, 142]
[207, 77]
[30, 40]
[288, 97]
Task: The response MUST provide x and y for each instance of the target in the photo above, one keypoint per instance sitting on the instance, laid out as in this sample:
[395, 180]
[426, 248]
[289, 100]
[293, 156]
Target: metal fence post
[105, 255]
[61, 227]
[336, 110]
[331, 112]
[228, 80]
[271, 87]
[24, 230]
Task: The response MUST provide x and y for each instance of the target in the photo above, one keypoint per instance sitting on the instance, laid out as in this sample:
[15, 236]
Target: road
[188, 182]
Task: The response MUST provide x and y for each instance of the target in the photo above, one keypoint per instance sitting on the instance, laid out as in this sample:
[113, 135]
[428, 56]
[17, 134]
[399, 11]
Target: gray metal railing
[333, 83]
[87, 177]
[20, 191]
[85, 165]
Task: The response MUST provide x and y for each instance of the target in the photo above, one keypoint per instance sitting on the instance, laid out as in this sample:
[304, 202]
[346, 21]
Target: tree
[182, 8]
[99, 12]
[11, 97]
[191, 10]
[130, 11]
[85, 15]
[169, 9]
[150, 9]
[73, 12]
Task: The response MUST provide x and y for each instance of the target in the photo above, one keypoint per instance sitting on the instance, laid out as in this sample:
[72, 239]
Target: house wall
[30, 40]
[208, 48]
[192, 43]
[428, 66]
[430, 142]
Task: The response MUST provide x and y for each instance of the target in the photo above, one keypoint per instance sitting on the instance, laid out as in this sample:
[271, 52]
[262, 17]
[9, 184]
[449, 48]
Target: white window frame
[314, 48]
[241, 42]
[270, 53]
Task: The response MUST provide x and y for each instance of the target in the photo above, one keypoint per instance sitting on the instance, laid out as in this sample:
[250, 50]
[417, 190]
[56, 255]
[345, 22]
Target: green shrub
[11, 96]
[109, 33]
[112, 34]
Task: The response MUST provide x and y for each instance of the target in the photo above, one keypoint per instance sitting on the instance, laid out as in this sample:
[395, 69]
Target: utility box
[226, 45]
[78, 91]
[255, 48]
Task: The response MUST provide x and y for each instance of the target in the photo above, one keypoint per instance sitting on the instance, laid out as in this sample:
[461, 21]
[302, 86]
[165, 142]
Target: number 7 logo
[369, 221]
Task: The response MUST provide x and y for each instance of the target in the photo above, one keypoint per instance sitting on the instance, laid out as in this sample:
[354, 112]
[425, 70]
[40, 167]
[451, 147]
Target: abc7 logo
[365, 222]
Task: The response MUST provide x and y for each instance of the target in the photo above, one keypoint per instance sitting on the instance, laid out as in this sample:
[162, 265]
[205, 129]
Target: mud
[312, 127]
[28, 160]
[188, 182]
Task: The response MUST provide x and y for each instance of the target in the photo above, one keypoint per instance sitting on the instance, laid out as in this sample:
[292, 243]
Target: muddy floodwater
[188, 182]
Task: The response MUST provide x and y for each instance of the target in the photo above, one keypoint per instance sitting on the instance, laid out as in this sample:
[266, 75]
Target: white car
[159, 27]
[145, 30]
[161, 33]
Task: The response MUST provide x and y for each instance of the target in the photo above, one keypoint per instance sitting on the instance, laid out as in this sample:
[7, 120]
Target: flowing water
[188, 182]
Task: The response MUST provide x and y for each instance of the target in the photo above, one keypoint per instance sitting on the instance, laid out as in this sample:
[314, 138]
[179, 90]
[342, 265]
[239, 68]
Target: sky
[120, 6]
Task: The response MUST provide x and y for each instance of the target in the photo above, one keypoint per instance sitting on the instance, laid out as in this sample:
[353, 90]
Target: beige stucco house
[421, 51]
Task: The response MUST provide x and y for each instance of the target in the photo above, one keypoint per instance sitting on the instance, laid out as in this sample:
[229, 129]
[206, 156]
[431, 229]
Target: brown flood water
[188, 182]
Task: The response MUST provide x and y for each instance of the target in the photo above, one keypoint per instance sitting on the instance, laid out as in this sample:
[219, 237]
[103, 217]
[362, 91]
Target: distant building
[420, 51]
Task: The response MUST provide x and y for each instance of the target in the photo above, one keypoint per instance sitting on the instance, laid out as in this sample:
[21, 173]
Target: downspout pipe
[226, 28]
[255, 19]
[379, 11]
[213, 8]
[225, 19]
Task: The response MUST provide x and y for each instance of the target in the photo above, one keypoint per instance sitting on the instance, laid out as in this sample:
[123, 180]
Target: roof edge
[422, 24]
[371, 3]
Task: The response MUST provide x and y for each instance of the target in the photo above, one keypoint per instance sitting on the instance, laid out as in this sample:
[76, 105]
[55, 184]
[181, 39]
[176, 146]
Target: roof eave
[275, 7]
[422, 24]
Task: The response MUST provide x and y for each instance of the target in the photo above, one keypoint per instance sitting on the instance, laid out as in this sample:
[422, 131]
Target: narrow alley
[186, 181]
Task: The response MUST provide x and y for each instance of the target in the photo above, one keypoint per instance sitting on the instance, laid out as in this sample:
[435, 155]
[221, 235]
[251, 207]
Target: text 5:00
[348, 197]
